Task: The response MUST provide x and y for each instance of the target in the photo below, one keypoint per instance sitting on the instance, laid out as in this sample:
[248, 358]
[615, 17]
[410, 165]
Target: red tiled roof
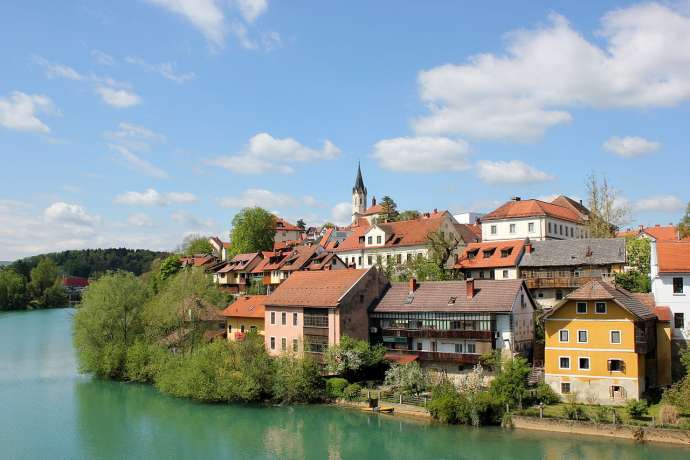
[246, 307]
[659, 233]
[314, 288]
[404, 233]
[673, 256]
[663, 313]
[601, 290]
[467, 232]
[282, 224]
[530, 208]
[204, 260]
[568, 202]
[371, 210]
[260, 267]
[240, 262]
[75, 281]
[327, 234]
[401, 358]
[491, 254]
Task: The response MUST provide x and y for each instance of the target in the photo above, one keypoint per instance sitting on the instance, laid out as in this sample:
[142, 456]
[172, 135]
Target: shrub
[545, 394]
[509, 386]
[636, 408]
[352, 392]
[144, 361]
[353, 359]
[602, 414]
[296, 380]
[407, 378]
[572, 410]
[446, 405]
[335, 387]
[668, 415]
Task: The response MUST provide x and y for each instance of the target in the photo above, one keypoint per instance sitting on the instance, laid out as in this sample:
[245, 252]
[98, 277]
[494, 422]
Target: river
[49, 411]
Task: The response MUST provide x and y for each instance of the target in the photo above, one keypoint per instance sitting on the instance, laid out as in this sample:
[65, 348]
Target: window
[370, 240]
[361, 298]
[616, 392]
[506, 252]
[563, 336]
[678, 321]
[229, 328]
[471, 348]
[294, 344]
[242, 328]
[294, 319]
[505, 273]
[315, 343]
[512, 228]
[481, 274]
[252, 328]
[560, 230]
[583, 364]
[273, 343]
[283, 344]
[559, 294]
[600, 307]
[530, 227]
[378, 239]
[615, 336]
[565, 388]
[408, 257]
[283, 318]
[419, 346]
[370, 260]
[677, 284]
[398, 258]
[549, 227]
[359, 261]
[581, 336]
[581, 307]
[458, 348]
[616, 365]
[564, 362]
[317, 317]
[273, 317]
[493, 230]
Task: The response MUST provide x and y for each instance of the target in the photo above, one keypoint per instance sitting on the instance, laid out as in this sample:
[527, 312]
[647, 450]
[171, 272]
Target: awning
[395, 339]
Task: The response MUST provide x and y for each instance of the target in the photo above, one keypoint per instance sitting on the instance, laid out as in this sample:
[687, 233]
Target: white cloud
[259, 197]
[209, 17]
[422, 154]
[118, 98]
[140, 219]
[133, 137]
[70, 214]
[190, 221]
[152, 197]
[341, 214]
[54, 70]
[510, 172]
[548, 70]
[102, 58]
[164, 69]
[19, 112]
[659, 203]
[264, 153]
[631, 146]
[138, 163]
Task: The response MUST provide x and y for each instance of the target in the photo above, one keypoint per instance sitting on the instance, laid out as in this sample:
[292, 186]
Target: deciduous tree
[684, 224]
[607, 214]
[253, 230]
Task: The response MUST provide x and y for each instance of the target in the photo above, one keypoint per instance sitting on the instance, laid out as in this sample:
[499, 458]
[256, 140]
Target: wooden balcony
[560, 282]
[439, 333]
[438, 356]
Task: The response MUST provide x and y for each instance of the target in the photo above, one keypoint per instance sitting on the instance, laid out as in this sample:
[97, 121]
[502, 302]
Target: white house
[533, 219]
[670, 274]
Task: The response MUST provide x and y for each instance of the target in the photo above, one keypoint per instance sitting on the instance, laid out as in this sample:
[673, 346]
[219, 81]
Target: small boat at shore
[385, 410]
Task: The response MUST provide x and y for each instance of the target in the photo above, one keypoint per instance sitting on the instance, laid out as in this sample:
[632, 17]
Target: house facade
[490, 260]
[534, 219]
[246, 314]
[312, 310]
[670, 274]
[235, 275]
[285, 231]
[554, 268]
[603, 343]
[448, 325]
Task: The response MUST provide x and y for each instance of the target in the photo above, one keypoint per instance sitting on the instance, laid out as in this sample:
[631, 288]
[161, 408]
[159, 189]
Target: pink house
[311, 310]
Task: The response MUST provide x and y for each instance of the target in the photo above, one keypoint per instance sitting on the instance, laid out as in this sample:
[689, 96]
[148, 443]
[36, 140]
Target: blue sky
[134, 123]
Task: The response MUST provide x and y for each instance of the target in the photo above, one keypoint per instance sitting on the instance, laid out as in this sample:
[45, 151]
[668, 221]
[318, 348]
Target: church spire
[359, 182]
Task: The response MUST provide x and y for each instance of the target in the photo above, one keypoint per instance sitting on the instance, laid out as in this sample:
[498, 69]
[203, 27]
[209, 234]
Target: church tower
[359, 196]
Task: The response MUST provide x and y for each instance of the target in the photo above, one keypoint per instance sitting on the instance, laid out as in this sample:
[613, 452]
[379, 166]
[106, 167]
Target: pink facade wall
[288, 331]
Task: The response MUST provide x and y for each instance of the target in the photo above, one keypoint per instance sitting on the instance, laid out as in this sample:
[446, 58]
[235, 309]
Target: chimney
[413, 285]
[641, 227]
[435, 210]
[528, 248]
[373, 201]
[516, 198]
[470, 288]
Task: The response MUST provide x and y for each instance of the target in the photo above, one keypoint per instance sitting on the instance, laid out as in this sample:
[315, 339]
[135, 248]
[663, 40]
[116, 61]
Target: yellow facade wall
[663, 353]
[238, 324]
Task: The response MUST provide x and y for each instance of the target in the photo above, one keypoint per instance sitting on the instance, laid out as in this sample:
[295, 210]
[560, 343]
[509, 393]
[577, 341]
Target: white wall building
[670, 274]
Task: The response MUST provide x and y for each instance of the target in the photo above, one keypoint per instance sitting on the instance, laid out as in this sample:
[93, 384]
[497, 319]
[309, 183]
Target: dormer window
[489, 252]
[505, 252]
[370, 240]
[361, 240]
[452, 300]
[378, 239]
[472, 254]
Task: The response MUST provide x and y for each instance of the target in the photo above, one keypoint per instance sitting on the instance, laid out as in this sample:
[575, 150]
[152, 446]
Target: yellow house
[245, 314]
[604, 345]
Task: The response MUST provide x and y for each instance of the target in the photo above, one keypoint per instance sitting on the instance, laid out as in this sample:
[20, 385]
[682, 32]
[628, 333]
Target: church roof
[359, 182]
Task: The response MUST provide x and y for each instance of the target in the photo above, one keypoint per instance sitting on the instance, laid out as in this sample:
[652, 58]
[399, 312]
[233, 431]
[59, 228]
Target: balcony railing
[536, 282]
[438, 356]
[440, 333]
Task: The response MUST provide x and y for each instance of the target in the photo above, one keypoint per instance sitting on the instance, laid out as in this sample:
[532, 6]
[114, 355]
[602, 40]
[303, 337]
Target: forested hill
[88, 262]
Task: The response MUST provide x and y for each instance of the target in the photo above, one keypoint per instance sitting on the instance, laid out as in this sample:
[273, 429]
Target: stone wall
[646, 434]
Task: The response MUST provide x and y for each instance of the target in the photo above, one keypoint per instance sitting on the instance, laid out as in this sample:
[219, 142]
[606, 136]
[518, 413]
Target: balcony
[438, 356]
[541, 282]
[266, 280]
[439, 333]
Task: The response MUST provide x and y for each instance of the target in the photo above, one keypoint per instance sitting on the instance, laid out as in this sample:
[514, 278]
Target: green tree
[639, 254]
[196, 244]
[107, 322]
[389, 209]
[329, 225]
[510, 385]
[634, 281]
[253, 230]
[606, 214]
[297, 380]
[353, 358]
[45, 286]
[408, 215]
[169, 267]
[13, 290]
[407, 378]
[301, 224]
[684, 224]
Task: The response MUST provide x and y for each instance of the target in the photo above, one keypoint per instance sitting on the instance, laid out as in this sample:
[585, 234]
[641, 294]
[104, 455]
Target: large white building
[670, 274]
[534, 219]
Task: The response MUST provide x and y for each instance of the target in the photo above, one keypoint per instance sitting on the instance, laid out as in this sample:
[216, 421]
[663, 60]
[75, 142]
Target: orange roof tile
[282, 224]
[376, 209]
[602, 290]
[492, 254]
[673, 256]
[314, 288]
[246, 307]
[530, 208]
[662, 233]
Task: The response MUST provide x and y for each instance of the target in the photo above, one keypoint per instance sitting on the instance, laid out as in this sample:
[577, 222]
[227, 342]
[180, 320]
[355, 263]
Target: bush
[144, 361]
[449, 405]
[572, 410]
[407, 378]
[445, 405]
[668, 415]
[510, 385]
[353, 359]
[545, 394]
[636, 408]
[352, 392]
[602, 414]
[296, 380]
[335, 387]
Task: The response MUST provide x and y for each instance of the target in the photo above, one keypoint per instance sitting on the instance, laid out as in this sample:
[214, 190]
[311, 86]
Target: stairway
[535, 376]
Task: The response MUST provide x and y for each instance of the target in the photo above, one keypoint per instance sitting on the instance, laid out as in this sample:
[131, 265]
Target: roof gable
[315, 288]
[532, 208]
[673, 257]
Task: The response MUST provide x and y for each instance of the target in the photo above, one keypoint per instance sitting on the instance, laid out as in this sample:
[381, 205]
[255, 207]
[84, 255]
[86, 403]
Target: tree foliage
[45, 286]
[389, 209]
[510, 384]
[297, 380]
[638, 254]
[170, 266]
[634, 281]
[301, 224]
[407, 378]
[408, 215]
[195, 244]
[13, 291]
[606, 213]
[253, 230]
[353, 358]
[684, 224]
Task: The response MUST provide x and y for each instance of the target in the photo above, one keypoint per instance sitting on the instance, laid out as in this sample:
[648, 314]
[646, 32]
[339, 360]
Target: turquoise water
[49, 411]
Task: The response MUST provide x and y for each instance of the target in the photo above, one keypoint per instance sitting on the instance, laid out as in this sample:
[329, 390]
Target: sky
[137, 122]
